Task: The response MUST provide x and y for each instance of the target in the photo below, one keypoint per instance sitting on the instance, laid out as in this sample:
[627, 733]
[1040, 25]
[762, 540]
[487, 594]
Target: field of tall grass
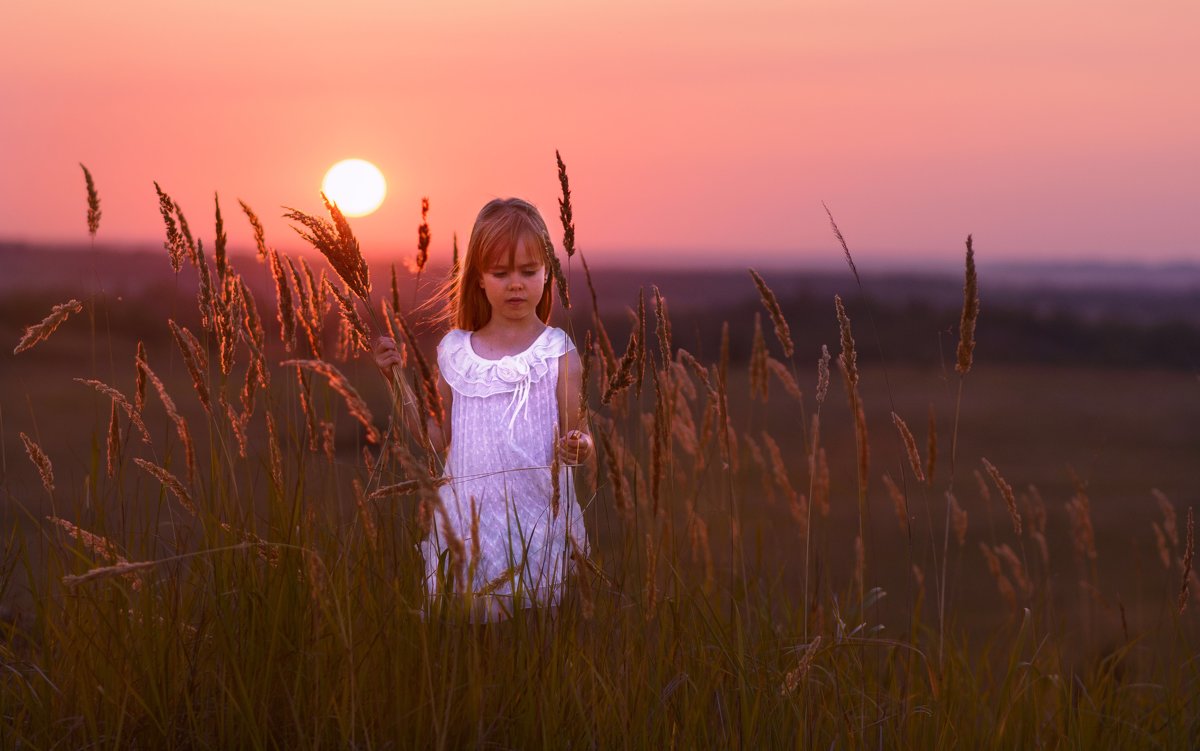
[228, 559]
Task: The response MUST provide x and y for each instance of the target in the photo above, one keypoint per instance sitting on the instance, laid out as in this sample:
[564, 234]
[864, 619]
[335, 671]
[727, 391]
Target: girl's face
[513, 283]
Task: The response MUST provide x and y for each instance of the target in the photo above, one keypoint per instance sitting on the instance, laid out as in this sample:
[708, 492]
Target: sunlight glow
[356, 186]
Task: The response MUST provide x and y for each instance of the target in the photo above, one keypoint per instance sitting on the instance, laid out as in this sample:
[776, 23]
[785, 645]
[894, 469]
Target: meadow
[210, 518]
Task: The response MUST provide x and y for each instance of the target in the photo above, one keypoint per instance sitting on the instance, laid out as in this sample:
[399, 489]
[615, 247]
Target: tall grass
[251, 580]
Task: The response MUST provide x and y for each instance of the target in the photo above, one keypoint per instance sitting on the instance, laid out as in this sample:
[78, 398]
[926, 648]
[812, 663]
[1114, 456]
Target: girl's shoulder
[472, 375]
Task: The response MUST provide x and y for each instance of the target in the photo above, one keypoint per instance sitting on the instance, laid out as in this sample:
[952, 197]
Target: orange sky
[691, 130]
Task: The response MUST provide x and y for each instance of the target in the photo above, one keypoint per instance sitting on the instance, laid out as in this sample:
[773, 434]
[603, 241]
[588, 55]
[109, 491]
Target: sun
[356, 186]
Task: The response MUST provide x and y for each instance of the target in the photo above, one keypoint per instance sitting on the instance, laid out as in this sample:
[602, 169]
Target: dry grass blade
[782, 331]
[585, 377]
[40, 332]
[181, 426]
[104, 572]
[171, 482]
[354, 403]
[309, 312]
[337, 243]
[41, 461]
[174, 244]
[970, 315]
[206, 300]
[623, 378]
[139, 389]
[804, 663]
[848, 359]
[556, 271]
[119, 398]
[433, 396]
[958, 518]
[701, 372]
[359, 336]
[196, 361]
[663, 326]
[1170, 525]
[423, 237]
[823, 375]
[555, 480]
[1006, 491]
[260, 240]
[113, 457]
[93, 201]
[285, 312]
[586, 603]
[97, 545]
[565, 213]
[1189, 553]
[639, 370]
[760, 385]
[910, 446]
[842, 241]
[780, 371]
[220, 244]
[931, 453]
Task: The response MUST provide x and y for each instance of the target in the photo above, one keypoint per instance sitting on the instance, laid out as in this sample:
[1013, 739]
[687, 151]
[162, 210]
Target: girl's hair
[498, 230]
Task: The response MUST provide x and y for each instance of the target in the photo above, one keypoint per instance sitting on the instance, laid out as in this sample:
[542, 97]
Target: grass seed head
[41, 461]
[1006, 491]
[970, 314]
[910, 446]
[782, 331]
[40, 332]
[93, 201]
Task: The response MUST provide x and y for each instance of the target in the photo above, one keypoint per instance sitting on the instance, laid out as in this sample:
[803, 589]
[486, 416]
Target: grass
[268, 602]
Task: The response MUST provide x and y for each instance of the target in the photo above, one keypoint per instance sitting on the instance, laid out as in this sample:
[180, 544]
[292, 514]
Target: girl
[509, 384]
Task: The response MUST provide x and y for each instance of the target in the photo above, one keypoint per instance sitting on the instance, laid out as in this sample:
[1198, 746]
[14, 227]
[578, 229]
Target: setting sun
[356, 186]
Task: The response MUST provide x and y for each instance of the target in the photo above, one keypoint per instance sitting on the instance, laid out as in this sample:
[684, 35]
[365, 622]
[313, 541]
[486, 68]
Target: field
[265, 593]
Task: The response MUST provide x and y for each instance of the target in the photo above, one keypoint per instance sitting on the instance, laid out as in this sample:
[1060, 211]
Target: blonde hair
[500, 227]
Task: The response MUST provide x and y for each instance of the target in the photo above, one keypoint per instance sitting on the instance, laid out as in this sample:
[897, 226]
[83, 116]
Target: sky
[693, 132]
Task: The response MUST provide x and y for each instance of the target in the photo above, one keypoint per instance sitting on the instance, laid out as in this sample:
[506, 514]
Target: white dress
[502, 419]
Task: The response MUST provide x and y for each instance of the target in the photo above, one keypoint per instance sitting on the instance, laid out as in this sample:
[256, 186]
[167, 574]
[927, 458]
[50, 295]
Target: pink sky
[691, 130]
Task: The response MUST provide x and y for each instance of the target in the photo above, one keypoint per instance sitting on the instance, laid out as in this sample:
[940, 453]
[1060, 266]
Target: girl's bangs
[503, 246]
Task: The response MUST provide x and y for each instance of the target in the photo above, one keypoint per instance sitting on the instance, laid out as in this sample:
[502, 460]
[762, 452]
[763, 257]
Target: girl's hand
[576, 447]
[386, 354]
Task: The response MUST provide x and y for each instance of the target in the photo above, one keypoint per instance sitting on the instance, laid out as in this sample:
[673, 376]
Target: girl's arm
[576, 442]
[411, 413]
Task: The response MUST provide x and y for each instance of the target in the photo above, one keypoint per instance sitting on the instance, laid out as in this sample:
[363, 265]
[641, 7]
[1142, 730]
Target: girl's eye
[529, 272]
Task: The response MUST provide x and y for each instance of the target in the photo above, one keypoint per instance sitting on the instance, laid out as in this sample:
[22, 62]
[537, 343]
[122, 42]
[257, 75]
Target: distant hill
[1095, 315]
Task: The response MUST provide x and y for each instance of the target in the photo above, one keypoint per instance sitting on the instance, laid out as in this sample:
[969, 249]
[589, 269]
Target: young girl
[509, 384]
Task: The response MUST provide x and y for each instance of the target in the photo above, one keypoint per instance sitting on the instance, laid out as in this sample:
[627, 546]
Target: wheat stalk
[40, 332]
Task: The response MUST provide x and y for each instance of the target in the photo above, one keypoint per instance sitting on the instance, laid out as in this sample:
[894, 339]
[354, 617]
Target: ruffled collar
[472, 375]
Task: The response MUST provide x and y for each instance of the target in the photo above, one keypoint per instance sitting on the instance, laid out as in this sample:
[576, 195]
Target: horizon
[822, 260]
